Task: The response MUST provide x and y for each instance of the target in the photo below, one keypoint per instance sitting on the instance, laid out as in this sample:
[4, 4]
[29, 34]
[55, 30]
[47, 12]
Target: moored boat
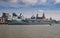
[31, 21]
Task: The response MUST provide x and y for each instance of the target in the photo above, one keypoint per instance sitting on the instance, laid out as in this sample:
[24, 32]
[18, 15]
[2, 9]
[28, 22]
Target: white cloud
[57, 1]
[13, 1]
[30, 1]
[33, 2]
[42, 1]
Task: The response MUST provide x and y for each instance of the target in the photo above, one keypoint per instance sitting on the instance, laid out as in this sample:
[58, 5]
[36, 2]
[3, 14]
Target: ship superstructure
[34, 20]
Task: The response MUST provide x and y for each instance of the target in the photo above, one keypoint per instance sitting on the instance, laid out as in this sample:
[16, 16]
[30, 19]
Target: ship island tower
[43, 16]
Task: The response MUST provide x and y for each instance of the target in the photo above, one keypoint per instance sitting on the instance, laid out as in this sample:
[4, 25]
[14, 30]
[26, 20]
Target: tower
[43, 16]
[36, 15]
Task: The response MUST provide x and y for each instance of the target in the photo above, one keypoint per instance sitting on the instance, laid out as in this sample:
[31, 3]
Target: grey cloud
[4, 0]
[20, 2]
[26, 2]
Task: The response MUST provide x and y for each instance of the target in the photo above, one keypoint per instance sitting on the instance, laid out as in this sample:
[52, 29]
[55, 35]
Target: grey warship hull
[14, 22]
[20, 20]
[28, 23]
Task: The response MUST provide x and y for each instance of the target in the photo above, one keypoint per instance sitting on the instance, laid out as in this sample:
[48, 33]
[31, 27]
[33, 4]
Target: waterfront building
[2, 20]
[5, 16]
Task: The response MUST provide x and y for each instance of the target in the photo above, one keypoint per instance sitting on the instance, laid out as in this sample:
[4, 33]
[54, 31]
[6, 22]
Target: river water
[30, 31]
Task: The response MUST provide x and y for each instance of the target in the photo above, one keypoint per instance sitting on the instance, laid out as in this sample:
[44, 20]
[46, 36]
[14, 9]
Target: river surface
[30, 31]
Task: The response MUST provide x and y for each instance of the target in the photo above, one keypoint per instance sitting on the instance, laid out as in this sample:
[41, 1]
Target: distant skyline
[51, 8]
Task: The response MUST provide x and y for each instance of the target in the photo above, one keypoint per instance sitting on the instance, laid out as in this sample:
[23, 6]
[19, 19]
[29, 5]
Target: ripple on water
[29, 31]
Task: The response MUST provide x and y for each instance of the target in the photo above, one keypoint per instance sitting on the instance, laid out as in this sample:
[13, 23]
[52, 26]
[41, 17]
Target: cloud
[13, 1]
[42, 1]
[46, 4]
[34, 2]
[57, 1]
[9, 1]
[27, 2]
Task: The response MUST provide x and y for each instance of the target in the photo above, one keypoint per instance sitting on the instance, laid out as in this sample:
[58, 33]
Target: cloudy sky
[51, 8]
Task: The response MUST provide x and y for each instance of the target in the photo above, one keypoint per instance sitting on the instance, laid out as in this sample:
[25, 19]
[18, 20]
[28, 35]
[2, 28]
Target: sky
[51, 8]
